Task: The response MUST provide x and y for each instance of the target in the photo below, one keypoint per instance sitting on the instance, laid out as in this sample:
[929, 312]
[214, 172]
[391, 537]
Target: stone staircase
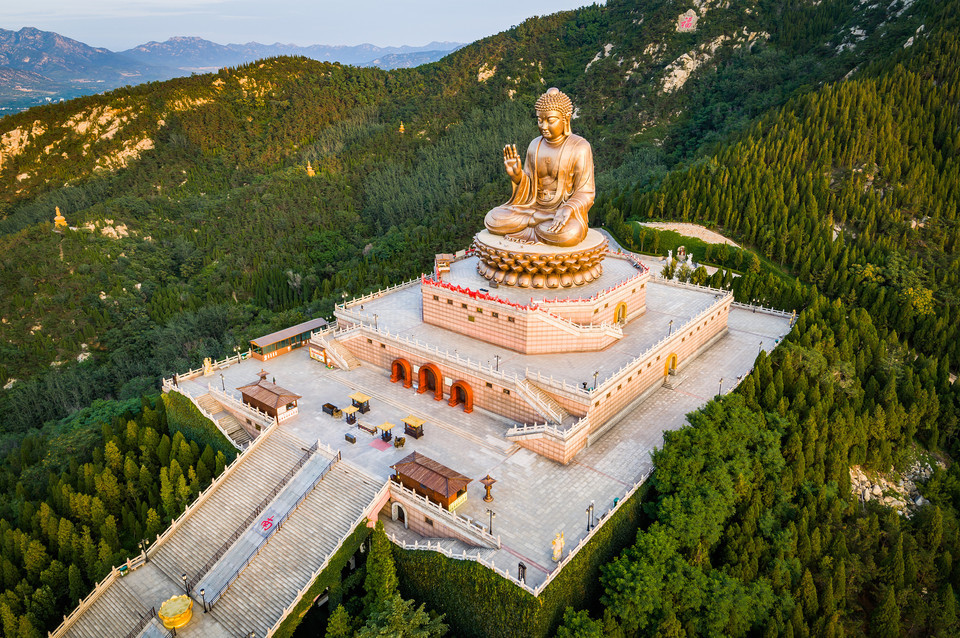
[190, 547]
[227, 422]
[543, 402]
[343, 357]
[115, 612]
[256, 600]
[672, 381]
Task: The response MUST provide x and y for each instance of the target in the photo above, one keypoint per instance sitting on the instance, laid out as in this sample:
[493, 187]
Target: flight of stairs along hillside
[198, 538]
[115, 612]
[344, 354]
[227, 422]
[545, 403]
[257, 597]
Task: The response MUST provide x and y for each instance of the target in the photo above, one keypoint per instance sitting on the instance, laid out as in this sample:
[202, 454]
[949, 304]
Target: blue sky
[121, 24]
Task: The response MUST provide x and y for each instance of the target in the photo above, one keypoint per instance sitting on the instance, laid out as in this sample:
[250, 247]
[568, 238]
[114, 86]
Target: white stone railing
[469, 526]
[296, 599]
[559, 385]
[615, 377]
[536, 591]
[768, 311]
[168, 386]
[141, 558]
[532, 397]
[376, 295]
[253, 412]
[219, 365]
[561, 434]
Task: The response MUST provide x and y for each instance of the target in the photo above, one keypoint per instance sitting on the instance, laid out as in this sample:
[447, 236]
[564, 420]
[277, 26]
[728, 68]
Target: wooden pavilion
[268, 397]
[431, 479]
[283, 341]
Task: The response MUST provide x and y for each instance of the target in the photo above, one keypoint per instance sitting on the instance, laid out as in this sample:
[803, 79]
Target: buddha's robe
[554, 176]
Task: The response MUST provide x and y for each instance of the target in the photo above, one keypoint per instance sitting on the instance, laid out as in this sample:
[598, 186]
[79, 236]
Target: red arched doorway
[461, 392]
[400, 371]
[431, 379]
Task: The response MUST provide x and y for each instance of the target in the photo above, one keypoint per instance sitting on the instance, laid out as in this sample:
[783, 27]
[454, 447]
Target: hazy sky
[121, 24]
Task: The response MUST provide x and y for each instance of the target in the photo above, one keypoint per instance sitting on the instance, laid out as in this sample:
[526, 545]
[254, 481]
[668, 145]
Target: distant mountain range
[42, 66]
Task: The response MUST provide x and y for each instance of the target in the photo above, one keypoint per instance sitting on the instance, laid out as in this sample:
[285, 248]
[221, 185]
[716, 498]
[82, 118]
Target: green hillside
[822, 136]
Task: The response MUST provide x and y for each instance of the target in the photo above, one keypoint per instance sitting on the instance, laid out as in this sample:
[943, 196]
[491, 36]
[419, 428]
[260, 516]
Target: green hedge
[184, 417]
[330, 577]
[478, 603]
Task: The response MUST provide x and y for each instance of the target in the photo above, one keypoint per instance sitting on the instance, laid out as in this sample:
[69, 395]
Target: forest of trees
[844, 193]
[76, 501]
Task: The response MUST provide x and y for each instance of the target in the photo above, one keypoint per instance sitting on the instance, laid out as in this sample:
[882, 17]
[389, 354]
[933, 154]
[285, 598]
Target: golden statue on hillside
[554, 188]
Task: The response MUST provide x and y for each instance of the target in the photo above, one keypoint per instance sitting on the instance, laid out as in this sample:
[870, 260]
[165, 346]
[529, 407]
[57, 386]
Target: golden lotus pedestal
[514, 263]
[176, 612]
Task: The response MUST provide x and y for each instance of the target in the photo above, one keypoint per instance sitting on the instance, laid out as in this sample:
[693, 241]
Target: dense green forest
[77, 499]
[822, 144]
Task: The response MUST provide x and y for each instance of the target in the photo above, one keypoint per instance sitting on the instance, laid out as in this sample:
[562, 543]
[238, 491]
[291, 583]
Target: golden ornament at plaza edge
[554, 187]
[176, 612]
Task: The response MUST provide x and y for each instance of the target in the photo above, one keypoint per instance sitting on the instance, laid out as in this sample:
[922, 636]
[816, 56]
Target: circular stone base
[514, 263]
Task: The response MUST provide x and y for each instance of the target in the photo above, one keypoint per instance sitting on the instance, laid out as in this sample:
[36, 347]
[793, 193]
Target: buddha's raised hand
[511, 160]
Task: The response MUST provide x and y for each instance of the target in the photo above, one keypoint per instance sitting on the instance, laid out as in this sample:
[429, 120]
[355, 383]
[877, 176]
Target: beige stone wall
[522, 330]
[629, 384]
[424, 524]
[487, 394]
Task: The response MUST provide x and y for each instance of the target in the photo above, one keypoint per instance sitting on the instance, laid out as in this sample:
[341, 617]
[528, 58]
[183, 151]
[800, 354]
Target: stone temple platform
[535, 498]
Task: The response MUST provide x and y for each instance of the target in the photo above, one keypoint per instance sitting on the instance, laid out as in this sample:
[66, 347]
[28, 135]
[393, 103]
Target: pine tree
[886, 618]
[381, 581]
[338, 626]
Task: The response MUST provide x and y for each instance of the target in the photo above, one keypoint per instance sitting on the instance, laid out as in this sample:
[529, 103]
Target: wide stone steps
[256, 599]
[210, 404]
[232, 426]
[115, 612]
[192, 545]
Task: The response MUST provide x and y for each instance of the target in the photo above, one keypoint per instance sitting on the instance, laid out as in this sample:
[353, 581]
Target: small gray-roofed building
[283, 341]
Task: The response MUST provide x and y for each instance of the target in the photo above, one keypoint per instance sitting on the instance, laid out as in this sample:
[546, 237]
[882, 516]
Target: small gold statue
[59, 221]
[557, 547]
[554, 188]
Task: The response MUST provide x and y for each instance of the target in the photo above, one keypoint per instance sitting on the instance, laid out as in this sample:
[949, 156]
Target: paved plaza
[535, 498]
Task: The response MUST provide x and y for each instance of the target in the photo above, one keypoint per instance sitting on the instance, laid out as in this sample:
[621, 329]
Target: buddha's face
[552, 124]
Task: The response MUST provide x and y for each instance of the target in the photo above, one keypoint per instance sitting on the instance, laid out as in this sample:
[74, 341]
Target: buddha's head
[554, 110]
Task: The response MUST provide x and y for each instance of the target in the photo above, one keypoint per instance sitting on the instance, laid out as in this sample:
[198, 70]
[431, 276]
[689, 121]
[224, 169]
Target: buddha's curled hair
[554, 100]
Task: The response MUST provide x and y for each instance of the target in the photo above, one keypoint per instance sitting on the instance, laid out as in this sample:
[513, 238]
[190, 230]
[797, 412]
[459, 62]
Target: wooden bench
[367, 428]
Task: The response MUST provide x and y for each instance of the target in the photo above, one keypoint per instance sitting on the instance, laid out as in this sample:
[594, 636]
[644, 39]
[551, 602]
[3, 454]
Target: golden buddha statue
[554, 188]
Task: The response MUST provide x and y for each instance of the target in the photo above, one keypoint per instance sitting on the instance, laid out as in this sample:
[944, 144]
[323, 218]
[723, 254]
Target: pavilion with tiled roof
[268, 397]
[432, 479]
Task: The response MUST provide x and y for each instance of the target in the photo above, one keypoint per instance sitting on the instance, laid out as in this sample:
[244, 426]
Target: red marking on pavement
[612, 478]
[526, 559]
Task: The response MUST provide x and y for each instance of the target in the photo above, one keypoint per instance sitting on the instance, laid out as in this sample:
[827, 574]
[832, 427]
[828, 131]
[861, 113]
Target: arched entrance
[431, 379]
[461, 392]
[670, 367]
[399, 514]
[400, 371]
[620, 313]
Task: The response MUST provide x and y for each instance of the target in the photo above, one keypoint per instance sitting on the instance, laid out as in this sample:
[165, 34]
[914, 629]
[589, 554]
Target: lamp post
[720, 389]
[761, 347]
[183, 576]
[143, 544]
[588, 518]
[203, 597]
[222, 384]
[376, 324]
[670, 325]
[492, 516]
[521, 572]
[497, 357]
[595, 375]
